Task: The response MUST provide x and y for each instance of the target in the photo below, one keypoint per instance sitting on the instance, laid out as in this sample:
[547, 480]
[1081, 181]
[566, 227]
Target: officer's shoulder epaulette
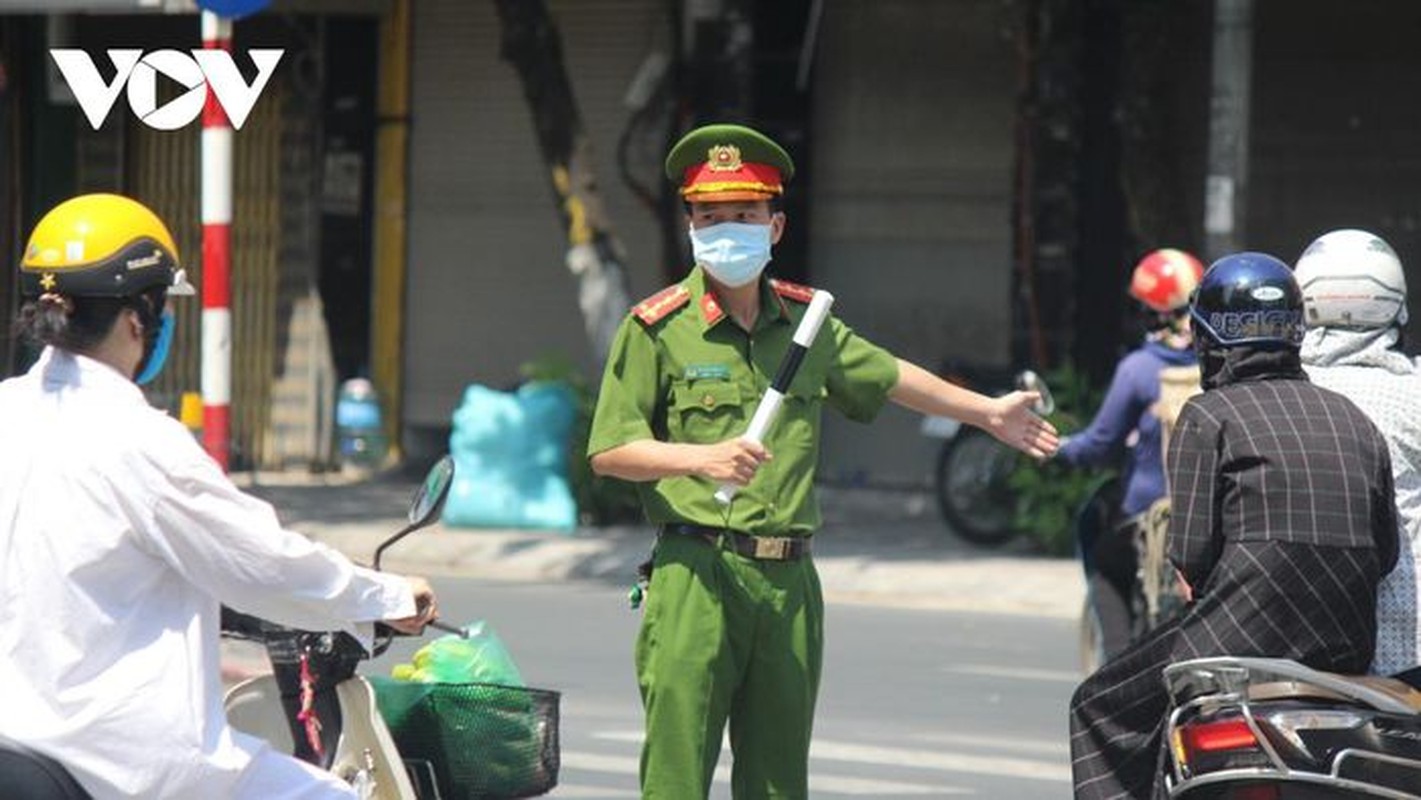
[655, 308]
[793, 291]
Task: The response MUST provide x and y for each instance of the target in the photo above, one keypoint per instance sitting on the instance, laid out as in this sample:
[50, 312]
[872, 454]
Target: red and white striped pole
[216, 257]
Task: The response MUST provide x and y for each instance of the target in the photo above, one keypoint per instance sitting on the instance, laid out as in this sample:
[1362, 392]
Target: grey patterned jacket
[1366, 368]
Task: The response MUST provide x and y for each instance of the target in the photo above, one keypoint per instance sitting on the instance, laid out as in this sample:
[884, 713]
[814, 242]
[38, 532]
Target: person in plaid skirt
[1283, 525]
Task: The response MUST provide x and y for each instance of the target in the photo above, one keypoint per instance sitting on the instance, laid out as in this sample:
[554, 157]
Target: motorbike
[970, 481]
[314, 705]
[1273, 729]
[445, 740]
[1130, 584]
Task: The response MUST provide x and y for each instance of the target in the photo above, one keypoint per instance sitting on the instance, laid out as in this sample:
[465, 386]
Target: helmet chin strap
[157, 337]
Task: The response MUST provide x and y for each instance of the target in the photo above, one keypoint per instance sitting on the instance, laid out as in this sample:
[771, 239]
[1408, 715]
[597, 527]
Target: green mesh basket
[482, 740]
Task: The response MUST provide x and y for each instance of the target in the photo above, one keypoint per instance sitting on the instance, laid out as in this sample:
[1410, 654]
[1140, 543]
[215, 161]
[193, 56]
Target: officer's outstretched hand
[1013, 421]
[732, 461]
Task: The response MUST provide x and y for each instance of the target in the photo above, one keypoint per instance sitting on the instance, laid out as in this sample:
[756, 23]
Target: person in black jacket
[1283, 525]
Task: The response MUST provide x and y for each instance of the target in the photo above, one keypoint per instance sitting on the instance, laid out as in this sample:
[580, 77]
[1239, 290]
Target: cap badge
[47, 281]
[723, 158]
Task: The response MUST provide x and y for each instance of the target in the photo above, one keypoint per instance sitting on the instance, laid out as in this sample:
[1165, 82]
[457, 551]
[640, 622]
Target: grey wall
[913, 157]
[487, 287]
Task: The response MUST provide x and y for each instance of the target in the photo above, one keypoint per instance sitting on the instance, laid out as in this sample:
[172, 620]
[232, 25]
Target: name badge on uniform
[696, 372]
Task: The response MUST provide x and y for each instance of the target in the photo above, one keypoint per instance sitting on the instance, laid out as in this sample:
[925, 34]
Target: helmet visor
[180, 284]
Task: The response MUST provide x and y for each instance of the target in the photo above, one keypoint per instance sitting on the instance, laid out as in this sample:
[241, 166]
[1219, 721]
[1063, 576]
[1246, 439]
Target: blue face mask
[158, 354]
[734, 253]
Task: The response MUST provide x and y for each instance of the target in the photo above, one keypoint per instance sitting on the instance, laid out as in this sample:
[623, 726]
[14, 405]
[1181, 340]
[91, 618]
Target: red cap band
[732, 181]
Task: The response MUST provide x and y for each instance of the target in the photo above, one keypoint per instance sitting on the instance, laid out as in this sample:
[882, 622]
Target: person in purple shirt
[1126, 421]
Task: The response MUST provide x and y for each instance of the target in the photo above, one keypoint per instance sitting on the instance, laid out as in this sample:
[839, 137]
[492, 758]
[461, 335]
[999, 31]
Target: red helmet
[1164, 279]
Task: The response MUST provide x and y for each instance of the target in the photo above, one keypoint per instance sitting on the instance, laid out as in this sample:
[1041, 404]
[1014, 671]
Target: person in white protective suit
[120, 538]
[1354, 297]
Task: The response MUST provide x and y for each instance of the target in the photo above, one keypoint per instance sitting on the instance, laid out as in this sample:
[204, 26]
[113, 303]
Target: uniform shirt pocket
[705, 411]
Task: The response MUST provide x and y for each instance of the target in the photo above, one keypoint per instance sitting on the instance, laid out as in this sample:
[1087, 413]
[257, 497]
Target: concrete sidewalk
[877, 547]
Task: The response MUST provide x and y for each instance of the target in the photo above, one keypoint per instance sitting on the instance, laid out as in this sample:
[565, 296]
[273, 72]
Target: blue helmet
[1248, 299]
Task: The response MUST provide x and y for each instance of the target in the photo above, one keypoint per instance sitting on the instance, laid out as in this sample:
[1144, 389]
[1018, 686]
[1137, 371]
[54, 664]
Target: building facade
[976, 178]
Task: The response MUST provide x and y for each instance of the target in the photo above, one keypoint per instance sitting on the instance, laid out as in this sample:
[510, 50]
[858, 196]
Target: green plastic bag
[481, 658]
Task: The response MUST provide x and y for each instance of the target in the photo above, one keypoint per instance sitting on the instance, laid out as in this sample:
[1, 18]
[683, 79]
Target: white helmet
[1351, 279]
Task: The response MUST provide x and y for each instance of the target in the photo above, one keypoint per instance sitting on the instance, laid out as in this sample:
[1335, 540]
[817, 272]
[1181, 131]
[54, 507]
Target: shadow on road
[883, 524]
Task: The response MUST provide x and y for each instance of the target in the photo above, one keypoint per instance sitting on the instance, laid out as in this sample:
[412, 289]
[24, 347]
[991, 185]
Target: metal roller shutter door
[487, 287]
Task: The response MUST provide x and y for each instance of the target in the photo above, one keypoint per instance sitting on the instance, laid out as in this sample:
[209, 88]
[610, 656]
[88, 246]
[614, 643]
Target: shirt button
[708, 400]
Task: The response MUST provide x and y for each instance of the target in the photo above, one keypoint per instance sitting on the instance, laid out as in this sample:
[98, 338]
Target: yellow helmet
[101, 245]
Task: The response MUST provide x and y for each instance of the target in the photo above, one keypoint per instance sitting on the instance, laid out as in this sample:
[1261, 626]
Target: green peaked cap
[754, 147]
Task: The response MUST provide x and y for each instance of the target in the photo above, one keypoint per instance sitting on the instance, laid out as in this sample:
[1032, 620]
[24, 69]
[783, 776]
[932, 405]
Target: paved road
[915, 703]
[948, 670]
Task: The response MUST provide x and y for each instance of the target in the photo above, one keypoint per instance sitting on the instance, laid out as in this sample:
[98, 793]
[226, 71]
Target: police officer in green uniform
[733, 625]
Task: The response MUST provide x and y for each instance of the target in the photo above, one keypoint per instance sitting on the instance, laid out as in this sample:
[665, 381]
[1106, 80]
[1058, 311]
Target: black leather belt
[760, 548]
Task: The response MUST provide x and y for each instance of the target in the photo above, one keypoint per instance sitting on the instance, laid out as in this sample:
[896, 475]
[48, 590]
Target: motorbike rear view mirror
[1029, 381]
[424, 507]
[429, 498]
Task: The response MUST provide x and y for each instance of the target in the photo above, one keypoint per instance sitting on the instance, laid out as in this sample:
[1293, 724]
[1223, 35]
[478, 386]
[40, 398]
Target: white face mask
[734, 253]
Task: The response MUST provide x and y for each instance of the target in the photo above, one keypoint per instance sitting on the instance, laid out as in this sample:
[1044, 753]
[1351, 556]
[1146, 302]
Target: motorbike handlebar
[1029, 381]
[461, 632]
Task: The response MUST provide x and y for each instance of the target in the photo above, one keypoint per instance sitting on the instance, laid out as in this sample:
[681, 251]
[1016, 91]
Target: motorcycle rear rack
[1225, 681]
[1290, 777]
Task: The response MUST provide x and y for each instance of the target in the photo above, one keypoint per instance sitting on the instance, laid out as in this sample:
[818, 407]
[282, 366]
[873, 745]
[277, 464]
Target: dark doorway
[781, 107]
[1102, 260]
[347, 152]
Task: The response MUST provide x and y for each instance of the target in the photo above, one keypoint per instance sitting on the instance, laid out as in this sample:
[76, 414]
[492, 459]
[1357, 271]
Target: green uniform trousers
[725, 636]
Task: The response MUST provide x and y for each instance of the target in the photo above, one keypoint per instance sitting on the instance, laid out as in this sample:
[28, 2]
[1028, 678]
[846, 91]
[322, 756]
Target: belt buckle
[772, 548]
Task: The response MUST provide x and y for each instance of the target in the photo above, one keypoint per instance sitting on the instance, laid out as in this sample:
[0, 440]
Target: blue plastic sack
[510, 455]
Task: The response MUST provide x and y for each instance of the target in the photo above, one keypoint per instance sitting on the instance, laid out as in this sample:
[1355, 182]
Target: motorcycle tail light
[1214, 737]
[1228, 743]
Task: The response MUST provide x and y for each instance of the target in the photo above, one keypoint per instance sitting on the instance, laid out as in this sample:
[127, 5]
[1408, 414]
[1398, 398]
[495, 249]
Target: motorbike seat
[1410, 677]
[27, 773]
[1283, 690]
[1400, 690]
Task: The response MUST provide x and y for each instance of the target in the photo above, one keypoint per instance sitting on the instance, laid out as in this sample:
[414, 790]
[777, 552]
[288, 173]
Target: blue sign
[232, 8]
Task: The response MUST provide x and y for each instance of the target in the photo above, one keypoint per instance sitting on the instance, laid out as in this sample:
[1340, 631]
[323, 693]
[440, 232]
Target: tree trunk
[594, 255]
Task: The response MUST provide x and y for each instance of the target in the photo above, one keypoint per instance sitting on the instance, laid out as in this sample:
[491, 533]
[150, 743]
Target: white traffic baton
[769, 407]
